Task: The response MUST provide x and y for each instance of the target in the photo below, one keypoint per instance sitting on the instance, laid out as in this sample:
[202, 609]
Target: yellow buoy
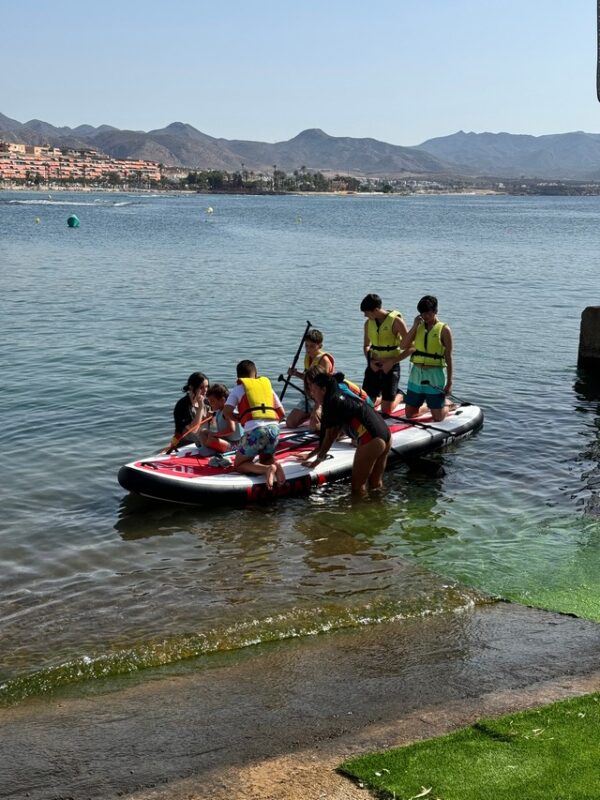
[209, 210]
[37, 220]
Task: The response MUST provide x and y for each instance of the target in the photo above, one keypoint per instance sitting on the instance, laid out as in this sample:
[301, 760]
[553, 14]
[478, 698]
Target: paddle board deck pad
[185, 476]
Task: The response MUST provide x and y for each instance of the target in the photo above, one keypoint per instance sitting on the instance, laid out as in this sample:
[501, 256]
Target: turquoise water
[101, 326]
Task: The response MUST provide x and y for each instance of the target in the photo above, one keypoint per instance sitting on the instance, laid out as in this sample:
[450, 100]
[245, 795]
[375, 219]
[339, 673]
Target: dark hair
[323, 380]
[314, 336]
[371, 302]
[195, 381]
[218, 390]
[246, 369]
[427, 303]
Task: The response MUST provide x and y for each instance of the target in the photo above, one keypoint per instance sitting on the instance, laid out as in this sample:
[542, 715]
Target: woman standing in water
[357, 419]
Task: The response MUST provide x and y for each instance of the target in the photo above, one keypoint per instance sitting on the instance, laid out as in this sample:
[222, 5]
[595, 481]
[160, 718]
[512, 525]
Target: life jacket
[429, 349]
[308, 362]
[351, 389]
[257, 402]
[384, 342]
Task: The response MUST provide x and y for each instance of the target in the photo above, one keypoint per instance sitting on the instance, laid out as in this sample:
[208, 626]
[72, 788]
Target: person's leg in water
[376, 476]
[365, 458]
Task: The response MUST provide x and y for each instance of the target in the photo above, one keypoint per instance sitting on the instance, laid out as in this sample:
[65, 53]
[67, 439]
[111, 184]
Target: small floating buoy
[37, 220]
[73, 221]
[209, 210]
[298, 219]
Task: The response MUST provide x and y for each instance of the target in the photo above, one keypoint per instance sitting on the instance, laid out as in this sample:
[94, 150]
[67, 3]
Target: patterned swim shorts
[261, 440]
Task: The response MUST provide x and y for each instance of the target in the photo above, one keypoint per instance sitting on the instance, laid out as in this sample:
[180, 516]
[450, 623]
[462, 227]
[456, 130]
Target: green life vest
[429, 349]
[384, 342]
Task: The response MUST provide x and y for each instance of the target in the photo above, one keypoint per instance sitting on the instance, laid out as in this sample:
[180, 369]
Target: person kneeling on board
[359, 420]
[315, 356]
[431, 342]
[259, 410]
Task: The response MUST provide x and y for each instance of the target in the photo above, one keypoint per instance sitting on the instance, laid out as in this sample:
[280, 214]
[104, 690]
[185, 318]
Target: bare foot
[270, 476]
[279, 474]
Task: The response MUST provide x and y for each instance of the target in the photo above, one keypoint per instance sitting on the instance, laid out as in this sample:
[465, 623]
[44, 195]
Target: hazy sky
[398, 70]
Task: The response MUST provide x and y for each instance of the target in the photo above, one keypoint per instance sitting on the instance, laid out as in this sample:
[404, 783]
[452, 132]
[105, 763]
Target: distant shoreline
[190, 193]
[531, 189]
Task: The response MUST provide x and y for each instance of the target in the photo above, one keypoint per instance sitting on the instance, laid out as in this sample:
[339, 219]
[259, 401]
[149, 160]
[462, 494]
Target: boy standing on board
[384, 331]
[259, 412]
[431, 342]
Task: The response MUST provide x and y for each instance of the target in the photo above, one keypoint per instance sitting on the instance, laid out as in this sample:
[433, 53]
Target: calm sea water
[100, 327]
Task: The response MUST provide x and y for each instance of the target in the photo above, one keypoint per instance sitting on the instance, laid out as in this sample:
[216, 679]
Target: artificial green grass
[551, 753]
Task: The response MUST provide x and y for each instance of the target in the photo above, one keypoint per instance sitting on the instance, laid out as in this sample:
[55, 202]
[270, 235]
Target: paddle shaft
[296, 357]
[292, 385]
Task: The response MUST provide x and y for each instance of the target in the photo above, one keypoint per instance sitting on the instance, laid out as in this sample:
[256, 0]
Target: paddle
[292, 385]
[296, 357]
[177, 437]
[419, 423]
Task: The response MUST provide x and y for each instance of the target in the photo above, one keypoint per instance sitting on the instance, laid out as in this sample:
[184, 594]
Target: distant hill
[564, 156]
[316, 150]
[180, 144]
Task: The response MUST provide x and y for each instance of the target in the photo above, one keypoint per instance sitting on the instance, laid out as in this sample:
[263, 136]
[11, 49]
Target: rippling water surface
[100, 327]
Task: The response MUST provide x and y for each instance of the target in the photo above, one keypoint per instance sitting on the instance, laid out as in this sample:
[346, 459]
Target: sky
[401, 71]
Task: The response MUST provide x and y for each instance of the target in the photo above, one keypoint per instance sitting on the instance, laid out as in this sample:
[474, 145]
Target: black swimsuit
[358, 419]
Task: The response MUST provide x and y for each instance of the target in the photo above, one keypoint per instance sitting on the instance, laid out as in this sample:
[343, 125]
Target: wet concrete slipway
[275, 721]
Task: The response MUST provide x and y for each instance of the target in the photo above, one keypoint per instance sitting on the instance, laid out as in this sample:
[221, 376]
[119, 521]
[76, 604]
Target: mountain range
[567, 156]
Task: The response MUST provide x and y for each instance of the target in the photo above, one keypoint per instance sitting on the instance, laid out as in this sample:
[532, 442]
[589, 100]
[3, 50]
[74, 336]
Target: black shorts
[381, 383]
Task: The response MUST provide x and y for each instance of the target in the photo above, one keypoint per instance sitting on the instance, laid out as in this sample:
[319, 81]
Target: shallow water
[101, 326]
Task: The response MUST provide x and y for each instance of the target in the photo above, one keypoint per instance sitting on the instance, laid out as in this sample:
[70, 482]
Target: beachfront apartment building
[23, 163]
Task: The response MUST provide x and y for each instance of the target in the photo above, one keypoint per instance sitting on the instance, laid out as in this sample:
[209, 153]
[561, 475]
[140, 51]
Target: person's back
[259, 412]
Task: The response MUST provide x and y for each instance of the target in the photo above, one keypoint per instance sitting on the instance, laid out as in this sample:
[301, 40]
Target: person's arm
[446, 338]
[319, 453]
[399, 328]
[230, 417]
[409, 338]
[366, 341]
[327, 364]
[181, 417]
[279, 409]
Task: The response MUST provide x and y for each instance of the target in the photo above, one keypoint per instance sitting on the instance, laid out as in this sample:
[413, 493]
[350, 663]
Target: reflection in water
[587, 392]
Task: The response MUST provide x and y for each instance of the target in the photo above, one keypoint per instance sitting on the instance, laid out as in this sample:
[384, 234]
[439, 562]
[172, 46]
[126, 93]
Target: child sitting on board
[315, 356]
[219, 437]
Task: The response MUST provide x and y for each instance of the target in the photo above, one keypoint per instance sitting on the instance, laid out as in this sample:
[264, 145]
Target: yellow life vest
[384, 342]
[429, 349]
[308, 362]
[257, 401]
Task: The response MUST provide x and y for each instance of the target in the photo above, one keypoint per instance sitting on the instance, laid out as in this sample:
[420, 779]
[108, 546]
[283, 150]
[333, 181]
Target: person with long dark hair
[350, 415]
[190, 410]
